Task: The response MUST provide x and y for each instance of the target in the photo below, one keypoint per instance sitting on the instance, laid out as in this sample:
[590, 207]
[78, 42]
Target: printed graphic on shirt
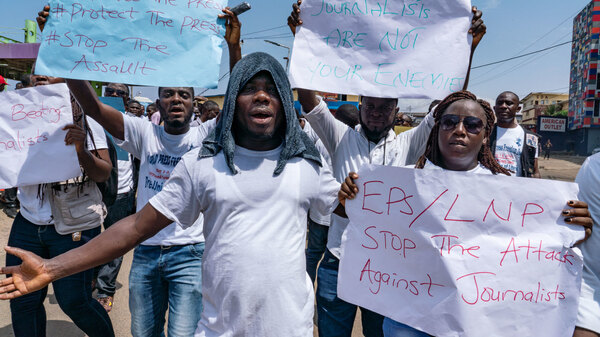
[532, 140]
[508, 156]
[160, 167]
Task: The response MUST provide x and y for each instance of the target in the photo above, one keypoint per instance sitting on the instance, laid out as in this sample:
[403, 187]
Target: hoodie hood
[295, 143]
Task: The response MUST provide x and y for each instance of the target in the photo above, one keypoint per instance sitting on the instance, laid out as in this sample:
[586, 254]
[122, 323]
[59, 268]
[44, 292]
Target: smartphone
[241, 8]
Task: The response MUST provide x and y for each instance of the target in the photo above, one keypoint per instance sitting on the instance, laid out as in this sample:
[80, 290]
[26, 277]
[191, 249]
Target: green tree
[550, 110]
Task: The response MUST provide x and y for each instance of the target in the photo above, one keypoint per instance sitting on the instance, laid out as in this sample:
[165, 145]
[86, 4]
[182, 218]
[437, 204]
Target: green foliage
[552, 110]
[562, 113]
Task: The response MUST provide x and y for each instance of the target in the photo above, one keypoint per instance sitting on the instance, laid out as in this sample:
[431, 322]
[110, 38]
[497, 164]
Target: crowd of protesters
[220, 238]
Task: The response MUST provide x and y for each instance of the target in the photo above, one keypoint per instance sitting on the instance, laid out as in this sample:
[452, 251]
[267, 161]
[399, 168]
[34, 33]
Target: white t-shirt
[159, 153]
[509, 146]
[349, 150]
[125, 181]
[479, 169]
[38, 211]
[254, 280]
[588, 178]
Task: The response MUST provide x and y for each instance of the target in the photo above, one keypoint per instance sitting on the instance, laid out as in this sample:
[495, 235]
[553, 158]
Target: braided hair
[485, 156]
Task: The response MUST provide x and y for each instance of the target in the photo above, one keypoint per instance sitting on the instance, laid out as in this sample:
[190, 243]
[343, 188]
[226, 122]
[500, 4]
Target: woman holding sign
[60, 216]
[459, 142]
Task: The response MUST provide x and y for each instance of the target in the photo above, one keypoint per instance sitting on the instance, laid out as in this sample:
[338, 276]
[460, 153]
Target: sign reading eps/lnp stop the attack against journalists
[143, 42]
[32, 142]
[383, 48]
[462, 254]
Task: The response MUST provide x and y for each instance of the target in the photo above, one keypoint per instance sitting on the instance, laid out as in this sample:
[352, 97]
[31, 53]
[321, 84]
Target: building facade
[584, 86]
[535, 105]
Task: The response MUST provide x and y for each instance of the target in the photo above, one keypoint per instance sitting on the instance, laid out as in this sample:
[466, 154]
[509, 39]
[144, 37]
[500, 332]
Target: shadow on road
[53, 328]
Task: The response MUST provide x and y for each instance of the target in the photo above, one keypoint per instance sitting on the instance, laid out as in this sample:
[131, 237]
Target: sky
[514, 27]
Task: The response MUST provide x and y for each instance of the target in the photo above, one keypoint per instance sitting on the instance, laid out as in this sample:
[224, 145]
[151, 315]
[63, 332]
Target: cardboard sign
[32, 142]
[462, 254]
[158, 43]
[383, 48]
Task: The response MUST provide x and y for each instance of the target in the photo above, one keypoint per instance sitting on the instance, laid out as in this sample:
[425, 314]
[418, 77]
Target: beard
[175, 123]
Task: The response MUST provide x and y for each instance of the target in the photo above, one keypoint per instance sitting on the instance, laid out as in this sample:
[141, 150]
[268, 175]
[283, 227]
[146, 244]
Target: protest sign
[462, 254]
[32, 142]
[158, 43]
[383, 48]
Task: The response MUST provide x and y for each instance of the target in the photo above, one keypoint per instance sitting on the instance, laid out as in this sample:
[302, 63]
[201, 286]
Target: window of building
[536, 103]
[596, 108]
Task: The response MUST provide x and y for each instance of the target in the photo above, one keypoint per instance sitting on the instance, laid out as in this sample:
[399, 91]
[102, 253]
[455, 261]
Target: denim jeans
[335, 316]
[73, 293]
[161, 278]
[107, 274]
[317, 244]
[393, 328]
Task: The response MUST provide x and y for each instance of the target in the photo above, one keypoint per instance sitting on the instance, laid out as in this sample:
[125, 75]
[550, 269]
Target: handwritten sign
[32, 142]
[157, 42]
[459, 254]
[382, 48]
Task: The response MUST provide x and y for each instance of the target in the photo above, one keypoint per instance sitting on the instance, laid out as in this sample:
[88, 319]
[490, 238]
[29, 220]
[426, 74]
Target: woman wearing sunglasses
[459, 141]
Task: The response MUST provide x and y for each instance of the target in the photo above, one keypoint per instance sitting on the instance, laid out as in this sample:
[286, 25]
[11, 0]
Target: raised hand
[294, 18]
[43, 17]
[233, 26]
[477, 29]
[26, 278]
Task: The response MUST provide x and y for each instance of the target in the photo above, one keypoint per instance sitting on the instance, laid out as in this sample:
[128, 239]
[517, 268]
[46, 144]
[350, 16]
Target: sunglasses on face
[111, 91]
[472, 124]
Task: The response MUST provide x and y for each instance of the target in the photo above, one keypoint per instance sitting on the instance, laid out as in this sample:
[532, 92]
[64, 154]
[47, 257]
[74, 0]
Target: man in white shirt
[254, 179]
[515, 148]
[166, 268]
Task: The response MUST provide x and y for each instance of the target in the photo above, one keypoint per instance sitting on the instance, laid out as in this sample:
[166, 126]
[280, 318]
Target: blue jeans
[335, 316]
[107, 274]
[166, 277]
[73, 293]
[393, 328]
[317, 244]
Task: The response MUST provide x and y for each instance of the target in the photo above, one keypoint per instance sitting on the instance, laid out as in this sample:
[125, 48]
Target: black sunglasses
[110, 91]
[472, 124]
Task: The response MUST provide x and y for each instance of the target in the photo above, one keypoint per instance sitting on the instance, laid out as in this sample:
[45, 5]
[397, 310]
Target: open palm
[28, 277]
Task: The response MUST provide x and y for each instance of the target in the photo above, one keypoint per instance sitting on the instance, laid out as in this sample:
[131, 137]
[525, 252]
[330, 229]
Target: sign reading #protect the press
[158, 43]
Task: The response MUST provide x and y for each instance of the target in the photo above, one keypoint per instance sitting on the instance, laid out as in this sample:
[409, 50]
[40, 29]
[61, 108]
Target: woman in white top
[459, 141]
[37, 228]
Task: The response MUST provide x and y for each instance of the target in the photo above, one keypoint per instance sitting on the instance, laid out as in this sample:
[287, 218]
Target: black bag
[110, 187]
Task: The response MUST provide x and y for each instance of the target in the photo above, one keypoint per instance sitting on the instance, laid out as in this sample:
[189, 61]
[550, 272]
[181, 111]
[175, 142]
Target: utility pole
[287, 63]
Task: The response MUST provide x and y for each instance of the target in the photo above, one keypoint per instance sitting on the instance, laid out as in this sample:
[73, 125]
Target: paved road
[558, 168]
